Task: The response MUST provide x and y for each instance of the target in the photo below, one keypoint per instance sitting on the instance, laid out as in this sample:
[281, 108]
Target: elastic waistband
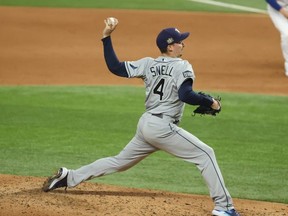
[162, 116]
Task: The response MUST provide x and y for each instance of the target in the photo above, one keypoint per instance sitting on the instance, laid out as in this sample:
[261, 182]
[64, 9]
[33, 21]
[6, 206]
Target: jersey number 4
[159, 88]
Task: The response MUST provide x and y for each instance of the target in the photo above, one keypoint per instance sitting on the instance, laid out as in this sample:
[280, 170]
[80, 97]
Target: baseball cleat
[56, 181]
[231, 212]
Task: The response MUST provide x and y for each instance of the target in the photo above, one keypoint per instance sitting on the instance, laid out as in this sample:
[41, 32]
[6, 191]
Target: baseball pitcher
[168, 81]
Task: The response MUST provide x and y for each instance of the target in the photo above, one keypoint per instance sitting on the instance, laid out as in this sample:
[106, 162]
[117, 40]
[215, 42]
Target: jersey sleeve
[274, 4]
[185, 72]
[137, 68]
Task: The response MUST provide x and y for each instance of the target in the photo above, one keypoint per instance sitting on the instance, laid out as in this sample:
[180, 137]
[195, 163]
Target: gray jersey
[163, 77]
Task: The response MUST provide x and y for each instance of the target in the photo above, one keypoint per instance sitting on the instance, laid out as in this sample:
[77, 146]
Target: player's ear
[170, 48]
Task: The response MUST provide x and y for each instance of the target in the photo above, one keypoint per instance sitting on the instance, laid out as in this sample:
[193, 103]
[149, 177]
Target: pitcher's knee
[122, 164]
[210, 151]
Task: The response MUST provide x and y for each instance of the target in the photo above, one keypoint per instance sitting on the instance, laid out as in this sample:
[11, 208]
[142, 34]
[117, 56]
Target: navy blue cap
[169, 36]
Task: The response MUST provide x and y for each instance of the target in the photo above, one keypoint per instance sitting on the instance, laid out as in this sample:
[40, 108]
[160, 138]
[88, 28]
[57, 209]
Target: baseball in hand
[112, 21]
[110, 25]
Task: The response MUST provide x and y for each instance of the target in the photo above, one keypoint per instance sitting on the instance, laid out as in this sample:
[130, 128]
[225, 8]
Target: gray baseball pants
[153, 134]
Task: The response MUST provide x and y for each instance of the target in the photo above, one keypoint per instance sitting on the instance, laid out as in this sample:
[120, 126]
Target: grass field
[139, 4]
[42, 128]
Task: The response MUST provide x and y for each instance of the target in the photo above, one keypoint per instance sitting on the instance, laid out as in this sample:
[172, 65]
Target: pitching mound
[23, 196]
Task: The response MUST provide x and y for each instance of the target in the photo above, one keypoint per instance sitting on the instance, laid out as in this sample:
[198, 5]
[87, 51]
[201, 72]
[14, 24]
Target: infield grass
[43, 128]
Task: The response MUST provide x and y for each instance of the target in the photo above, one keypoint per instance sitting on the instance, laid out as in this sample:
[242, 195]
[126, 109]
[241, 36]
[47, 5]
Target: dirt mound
[23, 196]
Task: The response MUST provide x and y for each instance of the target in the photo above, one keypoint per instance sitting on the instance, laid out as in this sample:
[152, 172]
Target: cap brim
[184, 36]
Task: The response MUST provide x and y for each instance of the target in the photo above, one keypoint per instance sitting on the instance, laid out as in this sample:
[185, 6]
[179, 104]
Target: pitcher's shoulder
[183, 63]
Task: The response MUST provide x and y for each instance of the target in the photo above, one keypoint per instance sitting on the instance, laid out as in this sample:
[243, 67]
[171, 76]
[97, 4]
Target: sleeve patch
[188, 74]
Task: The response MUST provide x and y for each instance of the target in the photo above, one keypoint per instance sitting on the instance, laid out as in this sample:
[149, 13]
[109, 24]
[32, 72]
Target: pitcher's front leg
[135, 151]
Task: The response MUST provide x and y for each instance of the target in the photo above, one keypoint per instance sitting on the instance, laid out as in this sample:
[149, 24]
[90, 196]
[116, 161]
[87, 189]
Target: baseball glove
[205, 110]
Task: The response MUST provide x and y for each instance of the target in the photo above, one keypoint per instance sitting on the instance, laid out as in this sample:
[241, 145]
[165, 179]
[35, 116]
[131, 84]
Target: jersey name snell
[161, 70]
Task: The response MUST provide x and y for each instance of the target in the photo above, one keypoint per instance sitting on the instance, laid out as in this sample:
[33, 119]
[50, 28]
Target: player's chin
[180, 54]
